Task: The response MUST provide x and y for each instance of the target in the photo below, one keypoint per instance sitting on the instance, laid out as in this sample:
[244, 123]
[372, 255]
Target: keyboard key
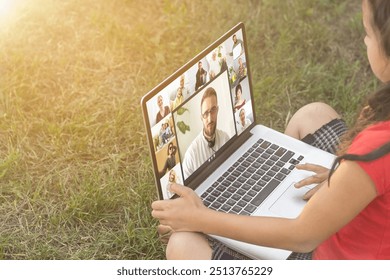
[274, 158]
[260, 160]
[241, 192]
[204, 195]
[262, 183]
[275, 168]
[280, 152]
[274, 147]
[265, 156]
[260, 172]
[225, 208]
[251, 182]
[268, 189]
[250, 159]
[271, 173]
[240, 169]
[287, 156]
[250, 208]
[265, 144]
[226, 194]
[280, 176]
[242, 203]
[251, 169]
[255, 154]
[241, 180]
[265, 167]
[215, 205]
[231, 202]
[237, 209]
[259, 150]
[216, 193]
[252, 193]
[266, 178]
[226, 183]
[231, 178]
[285, 171]
[293, 161]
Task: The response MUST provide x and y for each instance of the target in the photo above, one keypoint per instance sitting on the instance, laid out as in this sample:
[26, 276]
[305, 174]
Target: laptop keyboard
[250, 180]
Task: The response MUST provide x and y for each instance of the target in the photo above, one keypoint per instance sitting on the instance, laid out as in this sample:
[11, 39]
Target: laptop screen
[197, 112]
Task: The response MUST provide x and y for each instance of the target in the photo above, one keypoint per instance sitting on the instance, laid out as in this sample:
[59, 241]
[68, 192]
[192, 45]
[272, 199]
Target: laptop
[203, 132]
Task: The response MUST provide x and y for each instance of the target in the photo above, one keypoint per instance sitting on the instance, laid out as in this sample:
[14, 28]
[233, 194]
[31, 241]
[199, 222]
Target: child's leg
[309, 118]
[188, 246]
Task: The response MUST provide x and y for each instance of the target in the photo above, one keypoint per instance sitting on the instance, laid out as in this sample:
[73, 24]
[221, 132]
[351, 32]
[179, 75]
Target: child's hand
[319, 178]
[179, 214]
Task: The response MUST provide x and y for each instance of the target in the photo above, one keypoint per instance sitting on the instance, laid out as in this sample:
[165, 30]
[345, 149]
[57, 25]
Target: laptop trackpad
[290, 203]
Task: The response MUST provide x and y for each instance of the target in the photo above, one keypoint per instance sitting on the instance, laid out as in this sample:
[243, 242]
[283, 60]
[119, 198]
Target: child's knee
[175, 244]
[187, 245]
[309, 118]
[316, 109]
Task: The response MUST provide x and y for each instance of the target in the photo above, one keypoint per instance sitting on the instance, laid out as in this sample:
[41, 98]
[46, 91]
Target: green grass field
[75, 174]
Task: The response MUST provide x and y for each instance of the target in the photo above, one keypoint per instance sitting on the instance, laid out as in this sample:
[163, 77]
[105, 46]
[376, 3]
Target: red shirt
[367, 236]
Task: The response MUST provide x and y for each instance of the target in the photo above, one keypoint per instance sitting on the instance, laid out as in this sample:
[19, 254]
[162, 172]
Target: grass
[75, 174]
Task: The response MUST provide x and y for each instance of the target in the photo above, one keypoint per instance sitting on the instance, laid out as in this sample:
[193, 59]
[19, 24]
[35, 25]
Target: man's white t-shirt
[241, 127]
[199, 151]
[215, 67]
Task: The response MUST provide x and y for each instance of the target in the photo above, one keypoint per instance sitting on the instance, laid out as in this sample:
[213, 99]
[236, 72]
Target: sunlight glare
[7, 8]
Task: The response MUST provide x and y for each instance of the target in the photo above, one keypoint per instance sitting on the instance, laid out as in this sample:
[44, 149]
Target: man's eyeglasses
[212, 111]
